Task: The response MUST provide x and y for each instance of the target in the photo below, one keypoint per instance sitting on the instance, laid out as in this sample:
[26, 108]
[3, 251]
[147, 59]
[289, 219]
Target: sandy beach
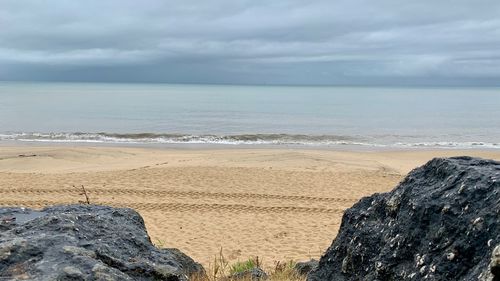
[277, 204]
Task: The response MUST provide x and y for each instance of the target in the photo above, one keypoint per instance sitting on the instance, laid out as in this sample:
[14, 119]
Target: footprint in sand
[280, 235]
[234, 254]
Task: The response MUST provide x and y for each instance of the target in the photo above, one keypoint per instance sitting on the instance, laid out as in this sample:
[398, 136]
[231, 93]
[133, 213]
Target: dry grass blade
[84, 192]
[221, 270]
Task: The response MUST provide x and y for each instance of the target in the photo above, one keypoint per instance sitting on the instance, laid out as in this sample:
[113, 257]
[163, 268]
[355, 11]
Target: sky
[330, 42]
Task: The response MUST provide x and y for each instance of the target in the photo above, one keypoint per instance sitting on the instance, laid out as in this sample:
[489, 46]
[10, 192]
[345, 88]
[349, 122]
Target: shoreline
[238, 146]
[278, 204]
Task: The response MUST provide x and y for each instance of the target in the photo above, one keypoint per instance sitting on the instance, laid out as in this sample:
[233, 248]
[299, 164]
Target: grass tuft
[220, 270]
[242, 266]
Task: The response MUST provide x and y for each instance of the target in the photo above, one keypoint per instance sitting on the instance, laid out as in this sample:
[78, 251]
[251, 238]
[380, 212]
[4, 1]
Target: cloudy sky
[348, 42]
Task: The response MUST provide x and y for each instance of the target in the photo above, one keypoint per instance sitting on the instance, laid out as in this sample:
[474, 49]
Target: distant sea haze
[250, 115]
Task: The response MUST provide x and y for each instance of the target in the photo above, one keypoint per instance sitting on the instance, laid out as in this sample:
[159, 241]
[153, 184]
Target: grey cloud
[227, 41]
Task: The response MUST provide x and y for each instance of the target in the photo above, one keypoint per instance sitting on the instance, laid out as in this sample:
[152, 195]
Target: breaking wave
[146, 138]
[240, 139]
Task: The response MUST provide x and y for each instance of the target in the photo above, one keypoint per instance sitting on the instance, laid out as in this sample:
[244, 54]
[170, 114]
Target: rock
[84, 242]
[495, 264]
[493, 274]
[251, 274]
[303, 268]
[440, 223]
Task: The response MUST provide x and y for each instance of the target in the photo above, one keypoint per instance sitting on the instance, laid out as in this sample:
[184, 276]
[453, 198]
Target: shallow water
[270, 115]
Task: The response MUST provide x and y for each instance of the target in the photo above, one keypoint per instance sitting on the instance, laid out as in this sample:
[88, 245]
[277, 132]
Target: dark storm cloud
[227, 41]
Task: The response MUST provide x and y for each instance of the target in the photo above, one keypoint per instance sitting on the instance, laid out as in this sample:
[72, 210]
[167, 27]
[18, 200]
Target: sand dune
[277, 204]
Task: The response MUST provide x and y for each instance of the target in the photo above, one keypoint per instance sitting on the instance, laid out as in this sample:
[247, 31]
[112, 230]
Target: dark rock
[440, 223]
[303, 268]
[84, 242]
[251, 274]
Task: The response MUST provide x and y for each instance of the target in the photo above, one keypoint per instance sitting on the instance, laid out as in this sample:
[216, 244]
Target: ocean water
[250, 115]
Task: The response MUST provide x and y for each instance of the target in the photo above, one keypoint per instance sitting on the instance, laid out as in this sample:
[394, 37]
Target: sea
[255, 116]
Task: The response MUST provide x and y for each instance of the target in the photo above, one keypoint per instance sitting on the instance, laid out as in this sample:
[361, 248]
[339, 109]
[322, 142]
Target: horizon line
[376, 85]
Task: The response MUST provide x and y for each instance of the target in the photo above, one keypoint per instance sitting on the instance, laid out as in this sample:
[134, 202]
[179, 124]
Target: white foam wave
[248, 139]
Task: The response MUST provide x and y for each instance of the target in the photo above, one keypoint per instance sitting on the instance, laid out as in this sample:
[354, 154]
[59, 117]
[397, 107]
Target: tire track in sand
[172, 193]
[187, 207]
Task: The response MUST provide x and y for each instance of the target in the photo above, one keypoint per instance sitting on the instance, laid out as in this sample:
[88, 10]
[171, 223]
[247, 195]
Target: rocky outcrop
[441, 222]
[84, 242]
[303, 268]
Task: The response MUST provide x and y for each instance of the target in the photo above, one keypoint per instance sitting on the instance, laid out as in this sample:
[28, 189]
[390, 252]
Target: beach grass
[220, 269]
[242, 266]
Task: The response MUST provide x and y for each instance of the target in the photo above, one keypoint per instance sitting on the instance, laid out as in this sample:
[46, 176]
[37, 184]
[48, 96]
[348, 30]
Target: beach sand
[277, 204]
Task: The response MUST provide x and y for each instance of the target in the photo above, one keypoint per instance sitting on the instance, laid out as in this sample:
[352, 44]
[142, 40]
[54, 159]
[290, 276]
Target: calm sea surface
[252, 115]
